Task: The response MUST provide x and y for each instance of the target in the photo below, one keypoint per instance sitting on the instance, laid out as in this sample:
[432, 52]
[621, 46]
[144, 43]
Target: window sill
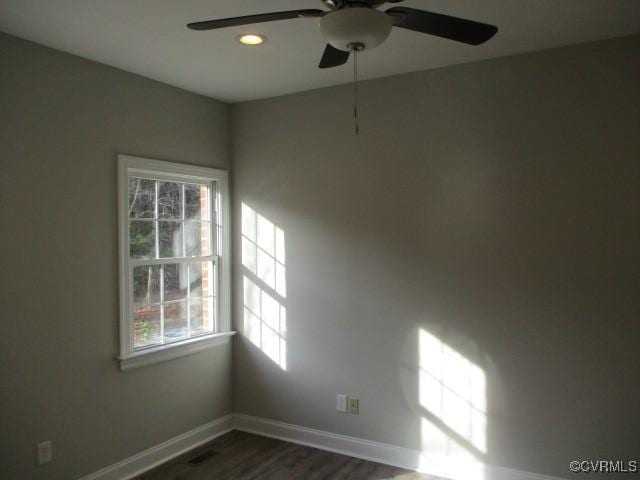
[163, 353]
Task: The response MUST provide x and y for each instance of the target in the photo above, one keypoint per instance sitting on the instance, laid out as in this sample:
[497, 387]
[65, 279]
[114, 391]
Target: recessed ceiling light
[252, 39]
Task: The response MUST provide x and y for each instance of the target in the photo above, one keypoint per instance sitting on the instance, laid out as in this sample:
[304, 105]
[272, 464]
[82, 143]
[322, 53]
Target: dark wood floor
[243, 456]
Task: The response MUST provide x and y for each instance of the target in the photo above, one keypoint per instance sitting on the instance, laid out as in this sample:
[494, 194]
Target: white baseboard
[154, 456]
[355, 447]
[333, 442]
[375, 451]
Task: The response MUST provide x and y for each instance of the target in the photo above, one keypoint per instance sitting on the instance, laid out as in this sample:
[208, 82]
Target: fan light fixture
[356, 28]
[252, 39]
[350, 26]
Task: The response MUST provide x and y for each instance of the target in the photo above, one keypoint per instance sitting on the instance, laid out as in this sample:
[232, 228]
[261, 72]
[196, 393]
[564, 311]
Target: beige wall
[62, 122]
[494, 204]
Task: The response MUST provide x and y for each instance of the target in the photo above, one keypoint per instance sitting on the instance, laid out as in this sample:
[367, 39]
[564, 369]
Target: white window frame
[129, 166]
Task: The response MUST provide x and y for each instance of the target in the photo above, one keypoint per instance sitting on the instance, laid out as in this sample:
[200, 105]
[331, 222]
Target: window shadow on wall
[452, 402]
[264, 285]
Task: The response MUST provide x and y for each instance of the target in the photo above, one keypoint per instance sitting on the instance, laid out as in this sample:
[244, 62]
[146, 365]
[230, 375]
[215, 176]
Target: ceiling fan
[356, 25]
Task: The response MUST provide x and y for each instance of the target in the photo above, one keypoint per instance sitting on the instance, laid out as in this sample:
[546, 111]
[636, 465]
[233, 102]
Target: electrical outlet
[341, 403]
[45, 452]
[354, 406]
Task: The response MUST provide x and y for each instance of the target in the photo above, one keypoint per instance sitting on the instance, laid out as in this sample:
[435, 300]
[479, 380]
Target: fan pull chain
[355, 91]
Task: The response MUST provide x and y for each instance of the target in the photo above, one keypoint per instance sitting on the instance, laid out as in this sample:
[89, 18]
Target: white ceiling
[149, 37]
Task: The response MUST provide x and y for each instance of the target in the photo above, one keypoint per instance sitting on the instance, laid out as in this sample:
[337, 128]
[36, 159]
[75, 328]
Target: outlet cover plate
[341, 403]
[354, 406]
[45, 453]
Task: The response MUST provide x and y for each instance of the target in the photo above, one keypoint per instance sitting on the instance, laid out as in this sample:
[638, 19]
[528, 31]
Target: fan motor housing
[361, 26]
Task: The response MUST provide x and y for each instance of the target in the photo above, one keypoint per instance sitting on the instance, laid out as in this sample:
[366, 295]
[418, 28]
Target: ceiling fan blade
[249, 19]
[333, 57]
[453, 28]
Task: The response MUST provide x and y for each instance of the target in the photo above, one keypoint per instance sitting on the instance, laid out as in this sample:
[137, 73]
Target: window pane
[175, 321]
[201, 315]
[146, 326]
[196, 202]
[175, 282]
[196, 237]
[142, 239]
[142, 194]
[195, 279]
[201, 279]
[146, 286]
[169, 200]
[170, 240]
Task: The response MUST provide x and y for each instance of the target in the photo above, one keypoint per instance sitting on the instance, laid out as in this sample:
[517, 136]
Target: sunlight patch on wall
[263, 252]
[264, 285]
[444, 456]
[452, 390]
[265, 323]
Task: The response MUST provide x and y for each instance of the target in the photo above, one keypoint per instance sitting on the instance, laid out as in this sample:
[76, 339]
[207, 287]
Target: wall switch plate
[45, 452]
[341, 403]
[354, 406]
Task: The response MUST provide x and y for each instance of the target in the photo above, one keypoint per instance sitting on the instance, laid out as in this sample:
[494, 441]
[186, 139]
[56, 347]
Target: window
[174, 260]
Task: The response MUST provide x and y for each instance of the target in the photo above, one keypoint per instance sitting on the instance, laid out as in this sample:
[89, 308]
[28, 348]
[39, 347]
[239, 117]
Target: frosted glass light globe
[357, 26]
